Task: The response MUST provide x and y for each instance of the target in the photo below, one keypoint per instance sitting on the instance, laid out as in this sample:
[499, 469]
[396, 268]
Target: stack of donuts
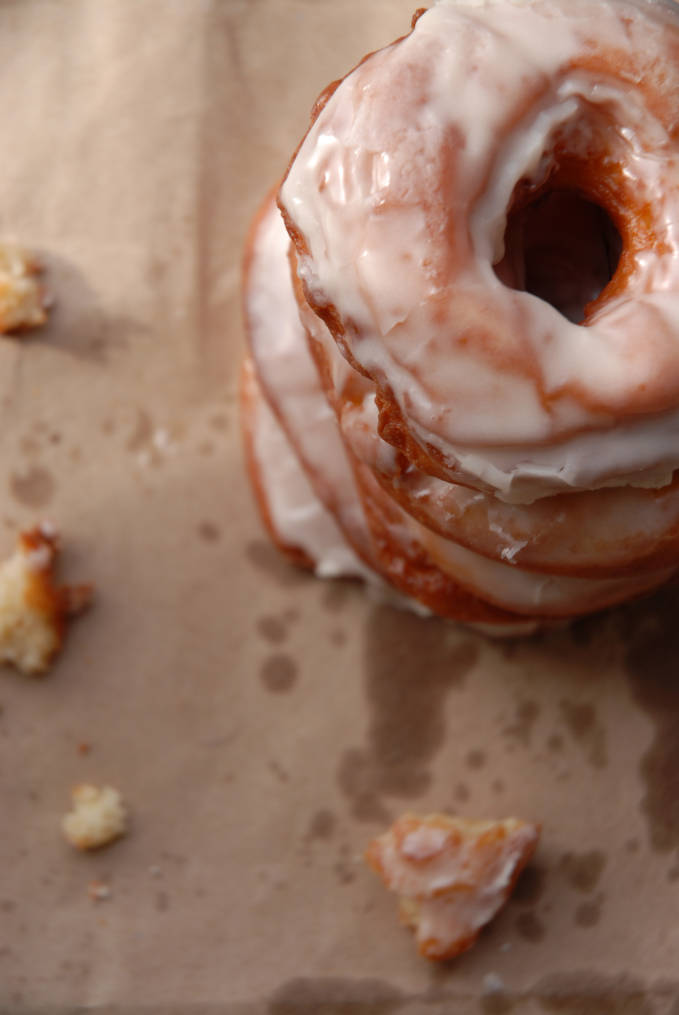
[462, 308]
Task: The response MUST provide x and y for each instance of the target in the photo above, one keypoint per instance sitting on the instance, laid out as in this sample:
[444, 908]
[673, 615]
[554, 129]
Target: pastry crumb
[33, 610]
[23, 300]
[452, 874]
[493, 984]
[98, 891]
[98, 817]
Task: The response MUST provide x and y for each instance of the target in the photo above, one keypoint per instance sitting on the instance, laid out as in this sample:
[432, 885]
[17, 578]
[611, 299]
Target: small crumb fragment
[23, 299]
[98, 817]
[84, 748]
[98, 891]
[33, 610]
[493, 984]
[453, 874]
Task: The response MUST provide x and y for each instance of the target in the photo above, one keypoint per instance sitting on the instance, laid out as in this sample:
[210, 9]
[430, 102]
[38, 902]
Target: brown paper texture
[262, 725]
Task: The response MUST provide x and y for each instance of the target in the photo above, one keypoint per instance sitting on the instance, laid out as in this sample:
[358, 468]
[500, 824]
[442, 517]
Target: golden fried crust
[453, 874]
[23, 301]
[410, 569]
[34, 611]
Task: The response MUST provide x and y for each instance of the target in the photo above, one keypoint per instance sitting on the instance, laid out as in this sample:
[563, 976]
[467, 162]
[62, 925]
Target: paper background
[262, 725]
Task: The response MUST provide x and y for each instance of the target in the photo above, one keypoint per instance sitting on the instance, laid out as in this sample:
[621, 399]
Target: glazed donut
[462, 353]
[301, 444]
[423, 203]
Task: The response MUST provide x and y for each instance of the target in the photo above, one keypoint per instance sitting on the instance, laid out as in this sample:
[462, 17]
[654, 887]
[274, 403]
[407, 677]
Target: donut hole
[562, 248]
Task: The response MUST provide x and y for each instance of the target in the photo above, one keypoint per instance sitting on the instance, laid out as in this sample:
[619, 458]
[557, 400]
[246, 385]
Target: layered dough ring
[308, 467]
[468, 356]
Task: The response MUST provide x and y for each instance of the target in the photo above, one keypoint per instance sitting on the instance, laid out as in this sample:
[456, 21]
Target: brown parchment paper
[262, 725]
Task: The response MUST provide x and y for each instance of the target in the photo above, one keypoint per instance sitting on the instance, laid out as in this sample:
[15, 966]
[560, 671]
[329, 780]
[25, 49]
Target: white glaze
[298, 516]
[288, 375]
[451, 880]
[358, 189]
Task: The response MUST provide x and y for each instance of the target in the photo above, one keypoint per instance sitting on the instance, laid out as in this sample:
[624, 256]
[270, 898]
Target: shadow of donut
[77, 325]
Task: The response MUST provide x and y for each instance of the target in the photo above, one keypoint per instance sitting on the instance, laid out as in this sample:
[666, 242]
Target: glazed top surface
[398, 198]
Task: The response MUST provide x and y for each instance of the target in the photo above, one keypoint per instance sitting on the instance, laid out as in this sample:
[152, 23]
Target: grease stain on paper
[652, 637]
[586, 729]
[34, 487]
[411, 666]
[268, 559]
[583, 870]
[279, 673]
[334, 996]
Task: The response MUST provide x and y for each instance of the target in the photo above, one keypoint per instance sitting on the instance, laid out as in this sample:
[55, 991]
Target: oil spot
[530, 886]
[497, 1003]
[34, 488]
[209, 532]
[588, 913]
[336, 594]
[586, 730]
[411, 665]
[7, 905]
[555, 743]
[653, 642]
[29, 446]
[525, 717]
[322, 825]
[156, 270]
[338, 637]
[583, 870]
[497, 786]
[589, 993]
[75, 455]
[279, 673]
[462, 793]
[476, 758]
[142, 433]
[219, 422]
[266, 558]
[336, 997]
[276, 769]
[359, 779]
[673, 874]
[108, 427]
[206, 448]
[530, 927]
[162, 902]
[272, 629]
[632, 845]
[345, 874]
